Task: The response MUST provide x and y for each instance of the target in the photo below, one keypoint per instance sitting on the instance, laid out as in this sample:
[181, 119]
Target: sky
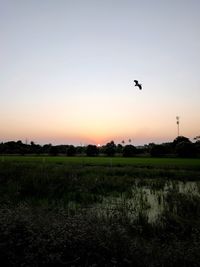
[67, 69]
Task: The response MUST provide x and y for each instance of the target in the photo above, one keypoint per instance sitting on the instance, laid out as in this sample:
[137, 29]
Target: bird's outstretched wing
[138, 84]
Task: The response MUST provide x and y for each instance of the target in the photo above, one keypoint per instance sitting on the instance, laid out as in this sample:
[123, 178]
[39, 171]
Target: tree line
[181, 147]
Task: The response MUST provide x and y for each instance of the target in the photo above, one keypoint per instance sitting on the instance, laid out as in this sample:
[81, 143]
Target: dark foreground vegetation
[46, 237]
[52, 212]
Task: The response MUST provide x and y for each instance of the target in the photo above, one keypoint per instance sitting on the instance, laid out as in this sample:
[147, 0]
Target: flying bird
[138, 84]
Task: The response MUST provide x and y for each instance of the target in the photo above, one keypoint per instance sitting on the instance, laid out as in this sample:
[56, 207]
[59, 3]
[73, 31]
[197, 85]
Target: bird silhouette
[138, 84]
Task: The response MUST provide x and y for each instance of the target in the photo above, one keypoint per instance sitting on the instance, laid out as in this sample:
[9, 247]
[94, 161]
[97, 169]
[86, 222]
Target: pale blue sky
[67, 70]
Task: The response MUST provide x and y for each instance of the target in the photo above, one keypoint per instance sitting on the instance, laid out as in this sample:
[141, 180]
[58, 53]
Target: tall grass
[52, 212]
[81, 182]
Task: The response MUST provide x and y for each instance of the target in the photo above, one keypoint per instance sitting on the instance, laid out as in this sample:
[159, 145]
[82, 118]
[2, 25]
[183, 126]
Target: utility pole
[177, 122]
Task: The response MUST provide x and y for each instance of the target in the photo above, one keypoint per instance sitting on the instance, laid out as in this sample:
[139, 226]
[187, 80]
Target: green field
[83, 178]
[106, 161]
[99, 211]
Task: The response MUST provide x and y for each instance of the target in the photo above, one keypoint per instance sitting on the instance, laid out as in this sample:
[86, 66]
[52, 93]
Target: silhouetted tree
[35, 148]
[119, 148]
[186, 149]
[183, 147]
[62, 149]
[80, 150]
[46, 148]
[197, 147]
[180, 139]
[149, 146]
[129, 151]
[1, 148]
[110, 149]
[158, 150]
[53, 151]
[71, 151]
[197, 138]
[19, 147]
[11, 147]
[92, 150]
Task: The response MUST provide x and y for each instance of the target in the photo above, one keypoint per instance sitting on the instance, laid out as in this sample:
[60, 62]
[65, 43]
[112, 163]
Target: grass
[107, 161]
[40, 226]
[84, 180]
[43, 237]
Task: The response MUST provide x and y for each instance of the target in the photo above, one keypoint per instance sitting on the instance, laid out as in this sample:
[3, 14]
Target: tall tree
[110, 149]
[92, 150]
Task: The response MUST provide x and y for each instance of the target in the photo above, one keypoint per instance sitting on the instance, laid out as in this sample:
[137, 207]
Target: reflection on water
[156, 198]
[148, 198]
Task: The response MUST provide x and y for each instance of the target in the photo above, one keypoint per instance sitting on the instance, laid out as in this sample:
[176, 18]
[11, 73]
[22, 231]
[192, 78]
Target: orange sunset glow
[70, 79]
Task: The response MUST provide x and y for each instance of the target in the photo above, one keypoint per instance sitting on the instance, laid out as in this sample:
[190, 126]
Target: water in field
[149, 198]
